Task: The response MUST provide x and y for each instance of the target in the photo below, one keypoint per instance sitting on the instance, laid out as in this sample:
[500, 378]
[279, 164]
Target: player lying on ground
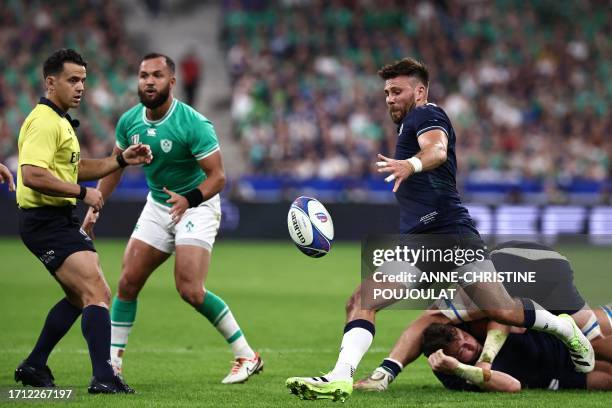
[548, 265]
[182, 213]
[529, 359]
[424, 171]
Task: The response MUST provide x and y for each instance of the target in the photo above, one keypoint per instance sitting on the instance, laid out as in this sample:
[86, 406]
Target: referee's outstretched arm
[94, 169]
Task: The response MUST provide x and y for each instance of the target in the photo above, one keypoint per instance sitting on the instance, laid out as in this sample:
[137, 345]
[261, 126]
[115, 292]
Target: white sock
[549, 323]
[355, 343]
[119, 339]
[229, 329]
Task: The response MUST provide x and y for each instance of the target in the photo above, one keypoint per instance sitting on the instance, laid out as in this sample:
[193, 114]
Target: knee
[192, 294]
[99, 295]
[353, 303]
[128, 288]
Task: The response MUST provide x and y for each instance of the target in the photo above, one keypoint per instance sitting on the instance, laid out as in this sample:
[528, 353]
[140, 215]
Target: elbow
[513, 385]
[28, 180]
[221, 179]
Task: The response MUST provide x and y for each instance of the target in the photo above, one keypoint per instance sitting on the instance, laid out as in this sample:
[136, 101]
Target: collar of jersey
[48, 102]
[163, 118]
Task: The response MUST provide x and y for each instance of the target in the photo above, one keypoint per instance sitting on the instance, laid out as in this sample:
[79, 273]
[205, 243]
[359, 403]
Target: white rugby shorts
[198, 226]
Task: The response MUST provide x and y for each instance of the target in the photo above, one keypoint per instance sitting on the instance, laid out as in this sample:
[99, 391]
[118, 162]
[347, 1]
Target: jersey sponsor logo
[47, 256]
[74, 158]
[426, 219]
[400, 129]
[152, 132]
[166, 145]
[135, 138]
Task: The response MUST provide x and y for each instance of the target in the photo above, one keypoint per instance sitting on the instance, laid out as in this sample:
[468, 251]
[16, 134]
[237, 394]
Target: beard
[159, 100]
[398, 114]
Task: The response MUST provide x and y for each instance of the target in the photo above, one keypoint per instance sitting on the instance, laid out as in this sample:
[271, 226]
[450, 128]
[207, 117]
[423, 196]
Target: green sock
[123, 314]
[219, 314]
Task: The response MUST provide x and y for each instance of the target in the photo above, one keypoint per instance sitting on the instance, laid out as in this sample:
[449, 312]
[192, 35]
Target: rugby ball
[310, 226]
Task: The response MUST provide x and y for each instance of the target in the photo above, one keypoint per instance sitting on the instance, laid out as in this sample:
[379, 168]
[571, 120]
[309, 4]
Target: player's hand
[7, 176]
[400, 170]
[138, 154]
[179, 205]
[89, 221]
[94, 199]
[442, 363]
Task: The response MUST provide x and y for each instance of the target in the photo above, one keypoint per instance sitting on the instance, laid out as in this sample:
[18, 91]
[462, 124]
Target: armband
[493, 343]
[121, 160]
[416, 163]
[82, 193]
[194, 197]
[475, 375]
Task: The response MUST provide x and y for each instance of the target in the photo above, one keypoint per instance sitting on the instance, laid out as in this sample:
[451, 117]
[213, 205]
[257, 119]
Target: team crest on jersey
[151, 132]
[166, 145]
[135, 138]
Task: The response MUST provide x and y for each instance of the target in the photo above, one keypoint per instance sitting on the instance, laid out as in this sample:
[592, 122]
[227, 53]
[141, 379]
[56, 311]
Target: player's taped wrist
[475, 375]
[194, 197]
[82, 193]
[416, 163]
[494, 342]
[121, 160]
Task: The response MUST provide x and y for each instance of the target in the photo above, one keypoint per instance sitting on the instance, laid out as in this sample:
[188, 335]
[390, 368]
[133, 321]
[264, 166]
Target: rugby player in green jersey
[182, 213]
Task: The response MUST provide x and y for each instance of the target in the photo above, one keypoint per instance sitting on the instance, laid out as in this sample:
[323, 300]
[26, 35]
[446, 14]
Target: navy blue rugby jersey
[536, 359]
[429, 201]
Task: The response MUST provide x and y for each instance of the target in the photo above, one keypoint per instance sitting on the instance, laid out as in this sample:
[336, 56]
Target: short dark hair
[55, 63]
[437, 336]
[408, 67]
[169, 62]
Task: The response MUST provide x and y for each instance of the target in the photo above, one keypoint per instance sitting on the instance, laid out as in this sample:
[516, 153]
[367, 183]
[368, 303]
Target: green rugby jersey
[178, 140]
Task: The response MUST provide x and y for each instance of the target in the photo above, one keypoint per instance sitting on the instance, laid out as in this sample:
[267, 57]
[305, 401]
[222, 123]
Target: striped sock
[219, 314]
[123, 314]
[608, 311]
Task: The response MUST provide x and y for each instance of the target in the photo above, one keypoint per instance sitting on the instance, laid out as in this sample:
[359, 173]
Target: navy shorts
[53, 234]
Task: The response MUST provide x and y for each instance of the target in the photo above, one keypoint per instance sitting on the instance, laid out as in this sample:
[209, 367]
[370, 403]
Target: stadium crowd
[528, 85]
[29, 32]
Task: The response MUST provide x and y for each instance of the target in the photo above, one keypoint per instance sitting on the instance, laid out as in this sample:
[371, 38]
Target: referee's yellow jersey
[47, 140]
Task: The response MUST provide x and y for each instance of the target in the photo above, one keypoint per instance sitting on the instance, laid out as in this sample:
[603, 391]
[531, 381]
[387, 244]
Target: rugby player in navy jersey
[527, 360]
[423, 172]
[553, 289]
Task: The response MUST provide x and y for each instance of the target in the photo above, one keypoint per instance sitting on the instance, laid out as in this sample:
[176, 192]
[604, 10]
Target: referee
[49, 169]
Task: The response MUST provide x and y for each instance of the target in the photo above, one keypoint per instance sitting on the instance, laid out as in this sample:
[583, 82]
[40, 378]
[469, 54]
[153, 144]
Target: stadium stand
[527, 84]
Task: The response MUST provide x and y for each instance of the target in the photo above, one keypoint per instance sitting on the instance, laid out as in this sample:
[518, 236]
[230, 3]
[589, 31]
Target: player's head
[453, 341]
[64, 73]
[406, 83]
[155, 79]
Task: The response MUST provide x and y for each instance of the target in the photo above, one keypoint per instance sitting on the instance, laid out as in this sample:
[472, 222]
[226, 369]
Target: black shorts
[53, 234]
[554, 287]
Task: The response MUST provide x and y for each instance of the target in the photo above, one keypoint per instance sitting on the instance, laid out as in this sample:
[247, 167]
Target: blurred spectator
[29, 32]
[528, 85]
[191, 68]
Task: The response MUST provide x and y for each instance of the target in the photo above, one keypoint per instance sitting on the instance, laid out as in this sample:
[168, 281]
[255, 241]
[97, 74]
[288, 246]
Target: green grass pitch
[291, 308]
